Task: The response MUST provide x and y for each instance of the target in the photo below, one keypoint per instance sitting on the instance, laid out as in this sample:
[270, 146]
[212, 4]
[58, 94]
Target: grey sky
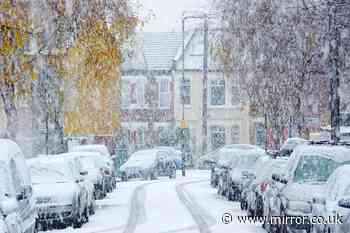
[168, 13]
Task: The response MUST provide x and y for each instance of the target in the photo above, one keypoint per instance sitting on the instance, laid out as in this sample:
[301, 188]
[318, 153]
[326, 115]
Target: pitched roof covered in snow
[154, 51]
[160, 48]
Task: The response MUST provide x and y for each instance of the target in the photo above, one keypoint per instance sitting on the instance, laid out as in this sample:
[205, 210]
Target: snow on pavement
[185, 205]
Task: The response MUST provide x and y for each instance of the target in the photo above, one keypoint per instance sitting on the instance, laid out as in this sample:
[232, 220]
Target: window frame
[186, 83]
[217, 83]
[160, 92]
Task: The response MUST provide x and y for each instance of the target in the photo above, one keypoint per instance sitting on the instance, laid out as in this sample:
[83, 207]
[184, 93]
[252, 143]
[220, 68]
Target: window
[164, 93]
[217, 92]
[235, 134]
[133, 93]
[125, 94]
[218, 137]
[186, 92]
[236, 95]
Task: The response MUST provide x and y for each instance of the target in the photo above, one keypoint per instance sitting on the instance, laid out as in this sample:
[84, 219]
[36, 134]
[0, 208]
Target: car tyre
[77, 222]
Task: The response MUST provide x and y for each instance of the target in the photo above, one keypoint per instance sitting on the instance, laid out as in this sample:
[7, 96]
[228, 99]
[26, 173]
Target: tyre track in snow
[137, 208]
[136, 213]
[203, 219]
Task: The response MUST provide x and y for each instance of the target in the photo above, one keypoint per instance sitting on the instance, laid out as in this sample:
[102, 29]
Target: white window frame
[187, 83]
[160, 80]
[140, 82]
[215, 83]
[235, 134]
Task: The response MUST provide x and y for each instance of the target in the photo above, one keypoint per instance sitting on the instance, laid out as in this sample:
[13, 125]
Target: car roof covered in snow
[80, 154]
[147, 153]
[337, 153]
[91, 148]
[227, 155]
[242, 147]
[8, 149]
[142, 159]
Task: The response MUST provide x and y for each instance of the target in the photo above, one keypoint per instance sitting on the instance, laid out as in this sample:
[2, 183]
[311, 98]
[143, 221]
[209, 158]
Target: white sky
[168, 13]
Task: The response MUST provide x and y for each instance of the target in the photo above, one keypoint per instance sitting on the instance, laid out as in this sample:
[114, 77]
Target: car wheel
[242, 202]
[77, 221]
[92, 209]
[86, 215]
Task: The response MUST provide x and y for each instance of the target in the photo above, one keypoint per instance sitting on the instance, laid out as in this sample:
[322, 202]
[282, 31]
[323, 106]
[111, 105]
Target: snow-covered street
[186, 204]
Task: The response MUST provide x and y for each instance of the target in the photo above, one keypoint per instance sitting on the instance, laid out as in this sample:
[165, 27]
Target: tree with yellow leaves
[15, 70]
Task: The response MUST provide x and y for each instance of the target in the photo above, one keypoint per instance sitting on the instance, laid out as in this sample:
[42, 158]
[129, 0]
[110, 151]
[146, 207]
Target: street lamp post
[205, 81]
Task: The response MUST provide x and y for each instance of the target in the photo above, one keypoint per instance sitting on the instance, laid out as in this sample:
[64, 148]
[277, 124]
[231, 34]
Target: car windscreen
[43, 175]
[314, 168]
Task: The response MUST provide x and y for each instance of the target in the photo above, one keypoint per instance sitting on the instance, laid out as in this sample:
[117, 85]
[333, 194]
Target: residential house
[228, 117]
[148, 90]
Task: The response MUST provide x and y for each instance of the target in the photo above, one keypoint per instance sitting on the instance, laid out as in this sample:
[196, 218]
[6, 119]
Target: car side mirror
[8, 205]
[84, 173]
[344, 203]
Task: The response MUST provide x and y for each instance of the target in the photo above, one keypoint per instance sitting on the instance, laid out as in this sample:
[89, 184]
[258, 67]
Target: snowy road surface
[184, 205]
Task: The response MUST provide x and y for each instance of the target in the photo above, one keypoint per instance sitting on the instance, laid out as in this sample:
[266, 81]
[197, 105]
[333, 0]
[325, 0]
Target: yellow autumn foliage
[93, 67]
[15, 33]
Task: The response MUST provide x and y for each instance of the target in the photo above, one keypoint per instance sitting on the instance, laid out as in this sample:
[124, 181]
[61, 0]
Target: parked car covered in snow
[307, 172]
[258, 188]
[240, 170]
[58, 198]
[219, 160]
[246, 191]
[174, 155]
[141, 164]
[335, 202]
[91, 162]
[74, 198]
[87, 183]
[289, 145]
[108, 168]
[17, 202]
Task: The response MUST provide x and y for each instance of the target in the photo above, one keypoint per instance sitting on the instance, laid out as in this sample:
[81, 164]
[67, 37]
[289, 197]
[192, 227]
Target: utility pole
[205, 88]
[183, 168]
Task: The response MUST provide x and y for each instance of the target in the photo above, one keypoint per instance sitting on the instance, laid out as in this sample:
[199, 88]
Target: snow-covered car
[17, 202]
[68, 168]
[220, 159]
[289, 145]
[226, 159]
[87, 183]
[257, 189]
[91, 162]
[307, 172]
[239, 172]
[10, 223]
[58, 198]
[174, 155]
[141, 164]
[109, 168]
[246, 196]
[332, 204]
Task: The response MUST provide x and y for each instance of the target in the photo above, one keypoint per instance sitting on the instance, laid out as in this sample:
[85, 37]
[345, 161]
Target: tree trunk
[334, 44]
[8, 98]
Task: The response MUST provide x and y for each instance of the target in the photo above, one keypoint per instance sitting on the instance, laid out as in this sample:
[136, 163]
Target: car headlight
[299, 206]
